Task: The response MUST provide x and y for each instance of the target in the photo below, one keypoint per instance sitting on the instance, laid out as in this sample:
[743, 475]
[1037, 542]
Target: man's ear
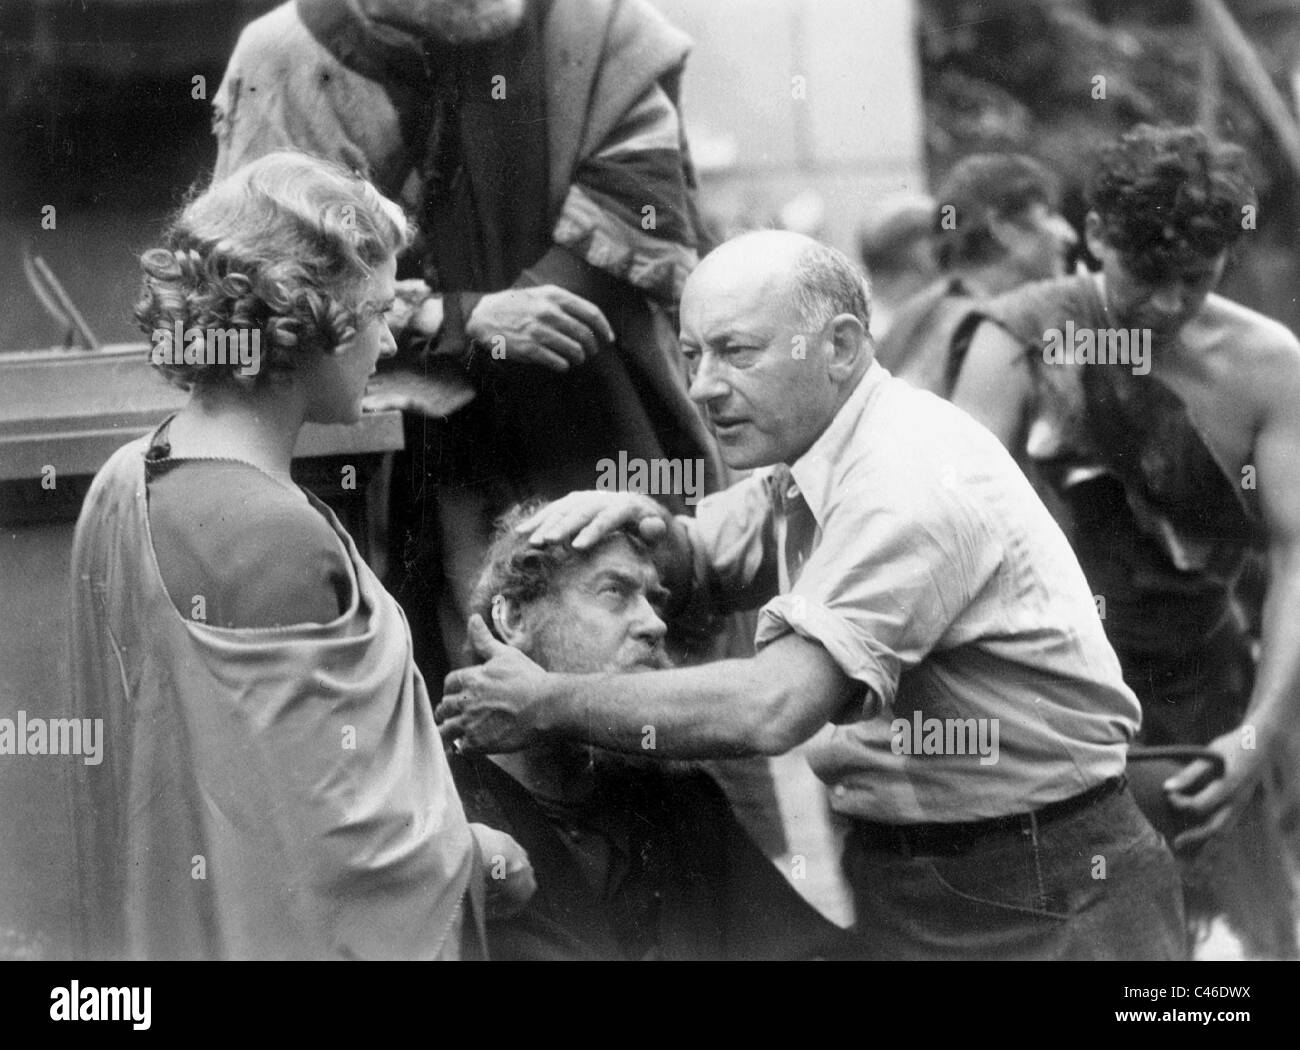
[849, 345]
[508, 622]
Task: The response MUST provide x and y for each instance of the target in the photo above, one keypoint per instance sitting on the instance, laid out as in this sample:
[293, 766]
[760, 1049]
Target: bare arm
[994, 385]
[1269, 727]
[764, 705]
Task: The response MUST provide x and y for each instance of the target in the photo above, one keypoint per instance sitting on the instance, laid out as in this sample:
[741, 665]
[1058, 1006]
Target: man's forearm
[763, 705]
[719, 710]
[566, 269]
[1274, 710]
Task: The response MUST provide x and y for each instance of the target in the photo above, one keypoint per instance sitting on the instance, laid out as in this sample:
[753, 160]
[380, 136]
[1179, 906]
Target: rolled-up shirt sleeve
[884, 583]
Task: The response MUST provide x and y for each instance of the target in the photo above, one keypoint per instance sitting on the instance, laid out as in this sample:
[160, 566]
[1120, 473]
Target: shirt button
[840, 791]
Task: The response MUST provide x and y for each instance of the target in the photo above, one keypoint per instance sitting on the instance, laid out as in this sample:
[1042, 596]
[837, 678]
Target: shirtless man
[1166, 466]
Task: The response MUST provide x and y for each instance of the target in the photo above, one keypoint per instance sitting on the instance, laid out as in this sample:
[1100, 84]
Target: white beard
[453, 21]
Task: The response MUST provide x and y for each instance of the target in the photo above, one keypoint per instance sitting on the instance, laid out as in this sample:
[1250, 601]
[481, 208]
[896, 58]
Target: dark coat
[695, 886]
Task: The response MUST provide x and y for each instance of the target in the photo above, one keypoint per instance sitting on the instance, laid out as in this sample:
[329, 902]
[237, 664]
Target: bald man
[914, 592]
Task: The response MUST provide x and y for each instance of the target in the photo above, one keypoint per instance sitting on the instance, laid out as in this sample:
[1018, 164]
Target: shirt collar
[812, 475]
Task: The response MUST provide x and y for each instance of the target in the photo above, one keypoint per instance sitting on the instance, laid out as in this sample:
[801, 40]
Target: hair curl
[279, 247]
[1170, 196]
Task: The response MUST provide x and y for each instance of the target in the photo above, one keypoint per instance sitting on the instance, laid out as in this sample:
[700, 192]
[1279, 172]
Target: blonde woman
[273, 784]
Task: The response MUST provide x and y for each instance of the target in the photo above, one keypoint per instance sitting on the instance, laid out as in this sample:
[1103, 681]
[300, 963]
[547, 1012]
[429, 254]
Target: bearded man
[634, 858]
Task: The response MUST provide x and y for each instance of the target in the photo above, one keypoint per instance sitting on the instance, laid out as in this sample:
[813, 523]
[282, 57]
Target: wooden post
[1239, 55]
[1208, 84]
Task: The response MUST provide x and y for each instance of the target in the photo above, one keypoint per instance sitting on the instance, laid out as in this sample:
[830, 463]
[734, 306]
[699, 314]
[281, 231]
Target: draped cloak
[263, 793]
[555, 155]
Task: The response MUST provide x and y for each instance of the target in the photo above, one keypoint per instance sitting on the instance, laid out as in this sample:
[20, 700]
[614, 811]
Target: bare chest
[1219, 405]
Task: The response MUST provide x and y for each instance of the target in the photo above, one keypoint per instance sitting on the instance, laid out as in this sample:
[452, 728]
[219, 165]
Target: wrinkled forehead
[722, 296]
[617, 555]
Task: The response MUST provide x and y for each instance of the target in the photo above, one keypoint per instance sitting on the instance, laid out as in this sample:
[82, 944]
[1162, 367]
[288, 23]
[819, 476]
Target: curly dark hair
[1170, 196]
[516, 570]
[281, 247]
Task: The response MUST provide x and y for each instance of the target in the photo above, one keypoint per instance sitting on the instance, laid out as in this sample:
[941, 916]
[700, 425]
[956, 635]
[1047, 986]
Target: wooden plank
[72, 409]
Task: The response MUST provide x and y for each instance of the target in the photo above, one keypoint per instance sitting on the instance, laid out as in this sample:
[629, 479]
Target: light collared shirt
[909, 545]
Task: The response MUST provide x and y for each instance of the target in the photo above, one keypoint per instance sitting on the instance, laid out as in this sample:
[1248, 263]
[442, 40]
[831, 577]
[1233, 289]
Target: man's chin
[742, 456]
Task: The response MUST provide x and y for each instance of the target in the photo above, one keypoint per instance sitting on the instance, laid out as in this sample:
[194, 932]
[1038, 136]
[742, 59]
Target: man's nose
[649, 624]
[707, 385]
[387, 343]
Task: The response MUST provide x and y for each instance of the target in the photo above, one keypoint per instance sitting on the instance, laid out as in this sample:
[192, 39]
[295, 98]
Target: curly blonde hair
[279, 247]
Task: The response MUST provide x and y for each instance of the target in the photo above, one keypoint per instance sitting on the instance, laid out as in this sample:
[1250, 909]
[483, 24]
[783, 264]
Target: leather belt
[949, 839]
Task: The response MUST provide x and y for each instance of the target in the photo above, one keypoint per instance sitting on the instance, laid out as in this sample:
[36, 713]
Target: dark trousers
[1098, 884]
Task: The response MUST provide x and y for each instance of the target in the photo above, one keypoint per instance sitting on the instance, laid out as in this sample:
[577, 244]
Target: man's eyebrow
[617, 576]
[655, 591]
[738, 335]
[723, 341]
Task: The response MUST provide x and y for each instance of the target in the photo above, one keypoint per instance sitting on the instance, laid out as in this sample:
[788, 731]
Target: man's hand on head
[546, 325]
[493, 706]
[585, 518]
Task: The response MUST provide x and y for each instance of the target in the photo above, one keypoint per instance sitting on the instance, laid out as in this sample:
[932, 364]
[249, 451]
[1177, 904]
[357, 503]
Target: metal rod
[65, 303]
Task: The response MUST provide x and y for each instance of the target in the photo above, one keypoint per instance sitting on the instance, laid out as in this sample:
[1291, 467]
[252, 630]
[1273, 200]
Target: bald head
[816, 281]
[761, 250]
